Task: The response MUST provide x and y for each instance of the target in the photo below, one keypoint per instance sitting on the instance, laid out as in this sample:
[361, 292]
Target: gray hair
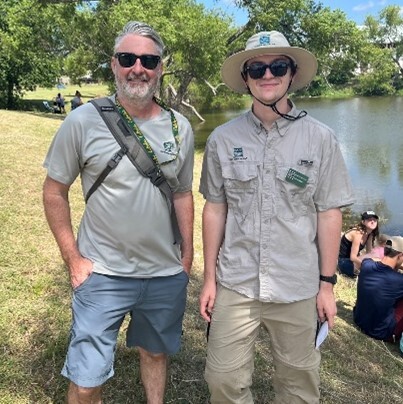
[142, 29]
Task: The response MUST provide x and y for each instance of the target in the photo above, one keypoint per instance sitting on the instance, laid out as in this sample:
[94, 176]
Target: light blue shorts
[99, 306]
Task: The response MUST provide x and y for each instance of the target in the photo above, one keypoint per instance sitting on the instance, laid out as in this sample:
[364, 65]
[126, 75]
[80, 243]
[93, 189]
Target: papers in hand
[322, 333]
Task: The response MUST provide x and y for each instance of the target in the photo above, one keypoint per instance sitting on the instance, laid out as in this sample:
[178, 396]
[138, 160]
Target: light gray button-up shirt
[274, 183]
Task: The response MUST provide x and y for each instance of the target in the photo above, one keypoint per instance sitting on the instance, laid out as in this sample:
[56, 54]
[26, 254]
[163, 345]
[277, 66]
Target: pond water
[370, 132]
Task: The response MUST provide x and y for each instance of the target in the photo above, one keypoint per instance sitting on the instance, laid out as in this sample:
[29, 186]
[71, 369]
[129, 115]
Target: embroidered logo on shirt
[169, 148]
[238, 154]
[305, 162]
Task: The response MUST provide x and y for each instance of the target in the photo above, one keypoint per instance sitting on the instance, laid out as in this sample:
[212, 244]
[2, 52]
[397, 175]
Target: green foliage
[398, 82]
[31, 49]
[336, 42]
[42, 40]
[317, 87]
[282, 15]
[377, 72]
[342, 70]
[385, 32]
[372, 84]
[207, 100]
[195, 42]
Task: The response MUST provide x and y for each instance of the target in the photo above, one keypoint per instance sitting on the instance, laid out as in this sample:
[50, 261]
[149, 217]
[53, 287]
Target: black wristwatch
[330, 279]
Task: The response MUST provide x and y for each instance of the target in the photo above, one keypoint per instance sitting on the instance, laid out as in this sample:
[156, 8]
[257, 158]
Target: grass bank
[33, 100]
[35, 304]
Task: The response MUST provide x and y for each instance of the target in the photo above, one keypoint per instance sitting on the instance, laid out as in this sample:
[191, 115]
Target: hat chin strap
[274, 107]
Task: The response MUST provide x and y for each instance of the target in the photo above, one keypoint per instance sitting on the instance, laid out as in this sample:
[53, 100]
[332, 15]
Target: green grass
[33, 99]
[35, 302]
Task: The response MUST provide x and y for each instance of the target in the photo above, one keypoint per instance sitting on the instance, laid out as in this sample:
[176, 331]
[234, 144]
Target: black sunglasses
[278, 68]
[127, 59]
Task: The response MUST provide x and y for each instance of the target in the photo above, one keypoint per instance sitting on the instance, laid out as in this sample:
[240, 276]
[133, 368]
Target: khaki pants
[231, 349]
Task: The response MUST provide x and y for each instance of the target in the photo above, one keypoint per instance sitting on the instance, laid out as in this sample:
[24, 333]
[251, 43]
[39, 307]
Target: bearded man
[125, 259]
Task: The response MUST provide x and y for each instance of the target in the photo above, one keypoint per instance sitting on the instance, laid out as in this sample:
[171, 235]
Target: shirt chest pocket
[293, 198]
[240, 184]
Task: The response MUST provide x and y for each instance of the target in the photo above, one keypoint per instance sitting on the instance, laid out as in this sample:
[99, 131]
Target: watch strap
[330, 279]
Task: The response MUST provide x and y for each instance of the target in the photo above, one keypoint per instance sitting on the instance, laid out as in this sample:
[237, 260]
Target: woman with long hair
[358, 237]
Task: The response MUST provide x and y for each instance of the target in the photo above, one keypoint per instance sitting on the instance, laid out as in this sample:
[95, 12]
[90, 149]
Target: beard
[137, 88]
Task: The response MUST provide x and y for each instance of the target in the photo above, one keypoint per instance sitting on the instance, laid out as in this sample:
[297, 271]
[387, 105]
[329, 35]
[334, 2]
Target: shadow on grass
[37, 105]
[40, 111]
[27, 105]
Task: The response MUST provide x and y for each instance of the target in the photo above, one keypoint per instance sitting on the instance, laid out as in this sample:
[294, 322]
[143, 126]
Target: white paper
[322, 334]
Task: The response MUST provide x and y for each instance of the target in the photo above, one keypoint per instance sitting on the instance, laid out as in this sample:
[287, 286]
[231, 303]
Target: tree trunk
[177, 99]
[10, 102]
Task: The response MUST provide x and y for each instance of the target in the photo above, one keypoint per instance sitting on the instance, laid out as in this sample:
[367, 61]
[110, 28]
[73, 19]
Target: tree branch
[239, 32]
[214, 89]
[186, 104]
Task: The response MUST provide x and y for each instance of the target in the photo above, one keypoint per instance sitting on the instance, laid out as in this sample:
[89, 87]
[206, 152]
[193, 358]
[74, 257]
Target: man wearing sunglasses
[378, 311]
[274, 181]
[126, 259]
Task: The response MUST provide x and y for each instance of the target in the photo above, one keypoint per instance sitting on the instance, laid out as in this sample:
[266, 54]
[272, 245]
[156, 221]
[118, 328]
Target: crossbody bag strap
[131, 146]
[112, 163]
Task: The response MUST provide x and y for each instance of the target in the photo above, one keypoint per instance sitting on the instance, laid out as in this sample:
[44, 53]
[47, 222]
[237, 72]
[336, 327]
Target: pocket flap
[239, 171]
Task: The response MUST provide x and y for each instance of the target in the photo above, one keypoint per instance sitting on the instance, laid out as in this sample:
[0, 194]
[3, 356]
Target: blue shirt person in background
[379, 308]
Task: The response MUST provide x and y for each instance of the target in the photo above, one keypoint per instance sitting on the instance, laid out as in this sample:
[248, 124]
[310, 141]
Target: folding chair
[48, 107]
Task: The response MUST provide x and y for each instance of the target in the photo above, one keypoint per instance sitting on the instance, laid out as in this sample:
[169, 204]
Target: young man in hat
[379, 307]
[274, 180]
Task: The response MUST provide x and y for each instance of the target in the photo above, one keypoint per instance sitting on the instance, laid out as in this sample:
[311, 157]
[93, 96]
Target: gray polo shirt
[125, 229]
[274, 182]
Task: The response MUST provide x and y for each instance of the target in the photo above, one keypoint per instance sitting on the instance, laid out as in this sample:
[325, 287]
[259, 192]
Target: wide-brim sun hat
[269, 43]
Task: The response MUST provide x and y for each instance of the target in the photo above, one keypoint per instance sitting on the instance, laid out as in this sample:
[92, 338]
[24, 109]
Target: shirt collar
[281, 124]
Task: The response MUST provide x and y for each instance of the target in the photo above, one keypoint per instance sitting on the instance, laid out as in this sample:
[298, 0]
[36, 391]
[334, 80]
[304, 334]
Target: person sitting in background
[60, 103]
[378, 252]
[76, 101]
[360, 236]
[378, 311]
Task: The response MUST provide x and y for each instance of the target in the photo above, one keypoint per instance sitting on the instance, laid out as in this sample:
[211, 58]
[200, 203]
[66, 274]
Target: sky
[356, 10]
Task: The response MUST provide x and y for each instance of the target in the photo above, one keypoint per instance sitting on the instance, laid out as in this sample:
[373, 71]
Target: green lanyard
[142, 138]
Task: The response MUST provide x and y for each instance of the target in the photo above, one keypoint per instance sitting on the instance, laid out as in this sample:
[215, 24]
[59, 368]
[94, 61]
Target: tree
[31, 50]
[195, 42]
[386, 31]
[377, 71]
[43, 39]
[336, 42]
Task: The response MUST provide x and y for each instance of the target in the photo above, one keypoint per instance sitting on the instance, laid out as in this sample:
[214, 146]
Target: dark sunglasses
[278, 68]
[127, 59]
